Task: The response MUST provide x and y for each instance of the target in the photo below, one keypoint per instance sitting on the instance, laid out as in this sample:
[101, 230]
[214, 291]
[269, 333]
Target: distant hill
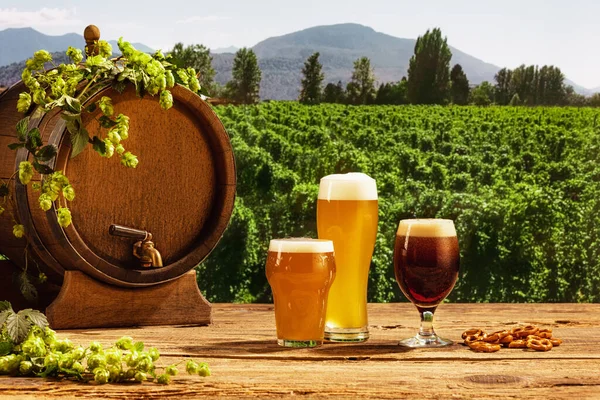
[281, 58]
[221, 50]
[19, 44]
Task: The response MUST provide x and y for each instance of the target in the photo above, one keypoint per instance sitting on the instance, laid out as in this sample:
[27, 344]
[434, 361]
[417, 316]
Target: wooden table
[246, 361]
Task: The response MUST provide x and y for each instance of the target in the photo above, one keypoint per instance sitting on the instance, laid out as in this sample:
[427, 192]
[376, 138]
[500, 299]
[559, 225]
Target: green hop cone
[25, 172]
[140, 376]
[42, 56]
[95, 61]
[164, 379]
[203, 369]
[69, 192]
[125, 343]
[24, 102]
[172, 370]
[49, 336]
[161, 82]
[153, 353]
[45, 201]
[113, 136]
[64, 217]
[120, 149]
[51, 360]
[113, 357]
[105, 104]
[170, 79]
[194, 84]
[101, 375]
[132, 359]
[126, 48]
[122, 120]
[39, 96]
[158, 54]
[78, 353]
[77, 367]
[36, 186]
[18, 231]
[95, 347]
[25, 367]
[62, 346]
[129, 160]
[57, 87]
[154, 68]
[183, 76]
[75, 54]
[145, 364]
[42, 277]
[65, 361]
[115, 373]
[191, 367]
[110, 148]
[96, 361]
[130, 374]
[104, 48]
[166, 99]
[1, 210]
[34, 347]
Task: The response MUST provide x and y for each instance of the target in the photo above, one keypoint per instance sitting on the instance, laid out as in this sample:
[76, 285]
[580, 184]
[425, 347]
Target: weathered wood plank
[246, 362]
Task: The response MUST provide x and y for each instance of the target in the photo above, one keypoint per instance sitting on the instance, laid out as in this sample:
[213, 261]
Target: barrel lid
[182, 191]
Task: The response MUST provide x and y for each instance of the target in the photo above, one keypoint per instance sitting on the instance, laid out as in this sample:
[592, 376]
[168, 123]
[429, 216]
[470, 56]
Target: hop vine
[67, 87]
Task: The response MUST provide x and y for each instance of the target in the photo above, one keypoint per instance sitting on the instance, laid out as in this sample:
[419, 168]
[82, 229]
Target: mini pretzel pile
[520, 337]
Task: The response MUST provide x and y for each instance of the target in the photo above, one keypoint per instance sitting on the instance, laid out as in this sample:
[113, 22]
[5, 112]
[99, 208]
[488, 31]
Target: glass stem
[426, 328]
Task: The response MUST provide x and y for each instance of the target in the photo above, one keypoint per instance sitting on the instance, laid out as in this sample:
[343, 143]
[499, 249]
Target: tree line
[429, 80]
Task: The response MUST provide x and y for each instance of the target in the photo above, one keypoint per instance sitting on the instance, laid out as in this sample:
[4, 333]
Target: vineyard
[522, 184]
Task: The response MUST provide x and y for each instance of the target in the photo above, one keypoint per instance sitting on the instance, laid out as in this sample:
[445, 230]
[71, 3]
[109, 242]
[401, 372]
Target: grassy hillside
[521, 184]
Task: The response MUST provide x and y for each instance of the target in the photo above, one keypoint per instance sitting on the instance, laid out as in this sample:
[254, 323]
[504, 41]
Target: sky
[506, 33]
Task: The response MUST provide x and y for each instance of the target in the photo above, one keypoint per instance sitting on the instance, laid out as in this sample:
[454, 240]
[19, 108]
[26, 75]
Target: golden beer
[347, 215]
[300, 272]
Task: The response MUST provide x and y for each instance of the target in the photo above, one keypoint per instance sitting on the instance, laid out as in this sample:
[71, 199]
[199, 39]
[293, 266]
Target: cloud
[199, 18]
[13, 18]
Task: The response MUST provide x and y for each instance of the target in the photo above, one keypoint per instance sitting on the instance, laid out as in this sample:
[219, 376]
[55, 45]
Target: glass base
[425, 341]
[347, 335]
[299, 343]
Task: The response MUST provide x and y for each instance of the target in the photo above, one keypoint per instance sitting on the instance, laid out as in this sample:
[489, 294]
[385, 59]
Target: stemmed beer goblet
[426, 263]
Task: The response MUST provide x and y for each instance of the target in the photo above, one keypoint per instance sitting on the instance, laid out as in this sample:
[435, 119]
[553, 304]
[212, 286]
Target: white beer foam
[426, 228]
[301, 245]
[350, 186]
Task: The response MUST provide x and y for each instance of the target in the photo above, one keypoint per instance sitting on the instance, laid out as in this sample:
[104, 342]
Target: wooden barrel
[182, 191]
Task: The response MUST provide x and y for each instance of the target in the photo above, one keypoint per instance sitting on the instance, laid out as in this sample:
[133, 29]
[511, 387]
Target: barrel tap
[143, 249]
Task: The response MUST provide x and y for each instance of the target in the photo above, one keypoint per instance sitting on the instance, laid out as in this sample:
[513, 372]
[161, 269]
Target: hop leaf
[24, 102]
[64, 217]
[17, 326]
[75, 54]
[25, 172]
[18, 231]
[166, 100]
[106, 106]
[129, 160]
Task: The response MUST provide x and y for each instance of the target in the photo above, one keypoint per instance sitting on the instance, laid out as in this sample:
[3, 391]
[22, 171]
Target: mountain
[221, 50]
[281, 58]
[19, 44]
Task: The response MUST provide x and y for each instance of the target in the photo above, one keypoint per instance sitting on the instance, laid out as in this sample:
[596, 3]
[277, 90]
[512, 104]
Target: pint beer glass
[426, 261]
[347, 215]
[300, 272]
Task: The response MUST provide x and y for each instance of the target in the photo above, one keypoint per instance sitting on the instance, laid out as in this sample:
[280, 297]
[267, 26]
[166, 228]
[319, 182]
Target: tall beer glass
[300, 272]
[426, 261]
[347, 215]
